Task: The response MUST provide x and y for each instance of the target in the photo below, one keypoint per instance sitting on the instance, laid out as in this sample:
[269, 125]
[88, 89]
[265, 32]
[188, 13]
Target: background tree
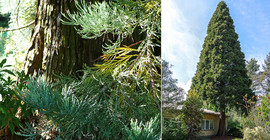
[260, 78]
[172, 95]
[266, 73]
[254, 74]
[252, 66]
[221, 77]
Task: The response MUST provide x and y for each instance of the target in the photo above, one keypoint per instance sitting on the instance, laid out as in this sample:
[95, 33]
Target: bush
[258, 113]
[173, 129]
[257, 133]
[10, 104]
[234, 128]
[192, 114]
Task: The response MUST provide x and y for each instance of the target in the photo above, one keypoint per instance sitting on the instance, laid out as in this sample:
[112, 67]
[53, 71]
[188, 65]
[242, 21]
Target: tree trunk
[222, 124]
[56, 48]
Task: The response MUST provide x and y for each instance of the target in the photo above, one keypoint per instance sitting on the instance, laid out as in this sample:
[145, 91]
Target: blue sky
[184, 25]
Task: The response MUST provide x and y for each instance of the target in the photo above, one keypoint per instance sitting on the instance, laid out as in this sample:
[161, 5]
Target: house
[209, 124]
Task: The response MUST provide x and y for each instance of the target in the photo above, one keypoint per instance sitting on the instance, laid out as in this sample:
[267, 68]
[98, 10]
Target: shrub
[192, 114]
[257, 133]
[234, 128]
[10, 104]
[258, 113]
[173, 129]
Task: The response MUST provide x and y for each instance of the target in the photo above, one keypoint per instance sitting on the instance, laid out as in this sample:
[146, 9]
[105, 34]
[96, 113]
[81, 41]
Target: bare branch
[13, 29]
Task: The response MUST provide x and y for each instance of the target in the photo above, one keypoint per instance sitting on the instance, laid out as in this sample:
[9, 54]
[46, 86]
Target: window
[207, 124]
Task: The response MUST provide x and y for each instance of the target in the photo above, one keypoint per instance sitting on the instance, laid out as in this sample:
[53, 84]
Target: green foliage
[172, 97]
[234, 128]
[266, 66]
[83, 109]
[254, 74]
[140, 131]
[258, 115]
[123, 19]
[76, 117]
[187, 124]
[173, 129]
[125, 86]
[221, 77]
[118, 17]
[257, 133]
[192, 114]
[9, 103]
[266, 73]
[264, 111]
[260, 79]
[252, 66]
[4, 18]
[112, 18]
[171, 94]
[8, 106]
[129, 93]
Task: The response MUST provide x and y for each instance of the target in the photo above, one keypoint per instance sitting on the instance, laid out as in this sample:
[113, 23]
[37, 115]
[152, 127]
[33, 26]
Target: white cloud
[185, 86]
[182, 50]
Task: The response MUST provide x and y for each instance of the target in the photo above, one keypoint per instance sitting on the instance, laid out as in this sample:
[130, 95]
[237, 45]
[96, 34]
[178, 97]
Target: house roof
[205, 111]
[210, 112]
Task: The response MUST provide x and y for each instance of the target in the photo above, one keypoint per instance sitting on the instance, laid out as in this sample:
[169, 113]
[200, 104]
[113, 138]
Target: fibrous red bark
[56, 48]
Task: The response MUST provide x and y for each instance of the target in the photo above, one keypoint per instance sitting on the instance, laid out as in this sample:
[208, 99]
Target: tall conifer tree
[221, 77]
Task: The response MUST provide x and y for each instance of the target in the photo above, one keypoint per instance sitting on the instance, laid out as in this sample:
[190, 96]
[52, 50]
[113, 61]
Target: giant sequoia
[125, 86]
[221, 77]
[57, 48]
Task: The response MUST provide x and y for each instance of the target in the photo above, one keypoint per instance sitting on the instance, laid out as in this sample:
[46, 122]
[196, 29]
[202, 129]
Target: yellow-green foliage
[257, 133]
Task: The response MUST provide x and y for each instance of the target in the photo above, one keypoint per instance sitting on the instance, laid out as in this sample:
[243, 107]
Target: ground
[222, 138]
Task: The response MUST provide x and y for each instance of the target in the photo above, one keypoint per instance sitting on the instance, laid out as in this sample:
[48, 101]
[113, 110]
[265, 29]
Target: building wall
[166, 113]
[215, 119]
[215, 125]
